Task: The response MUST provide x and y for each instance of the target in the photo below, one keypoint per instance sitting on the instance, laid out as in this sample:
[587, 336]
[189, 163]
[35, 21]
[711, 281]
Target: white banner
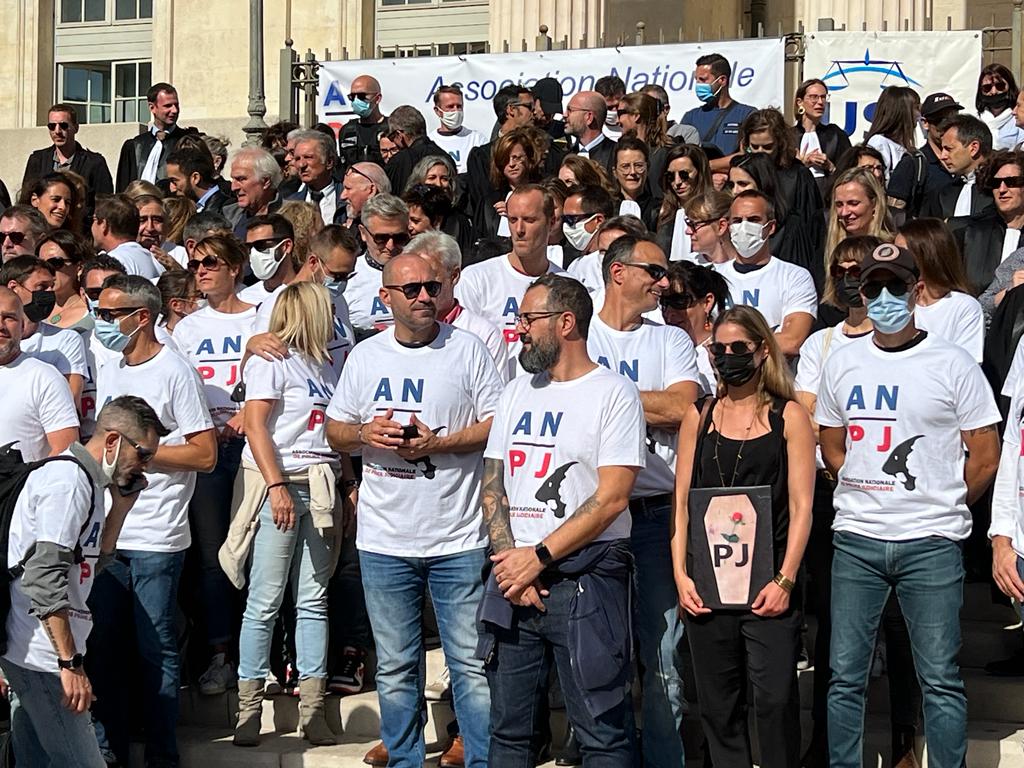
[856, 66]
[757, 76]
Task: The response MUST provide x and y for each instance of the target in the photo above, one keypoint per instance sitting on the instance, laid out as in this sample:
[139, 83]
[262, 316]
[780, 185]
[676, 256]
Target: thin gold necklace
[739, 452]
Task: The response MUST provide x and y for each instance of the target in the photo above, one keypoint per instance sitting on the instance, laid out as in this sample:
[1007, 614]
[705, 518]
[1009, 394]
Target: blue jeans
[518, 676]
[659, 634]
[44, 732]
[300, 558]
[210, 516]
[395, 588]
[928, 576]
[135, 598]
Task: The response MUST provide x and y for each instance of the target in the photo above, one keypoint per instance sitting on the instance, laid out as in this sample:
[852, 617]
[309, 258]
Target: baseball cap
[937, 102]
[549, 91]
[891, 258]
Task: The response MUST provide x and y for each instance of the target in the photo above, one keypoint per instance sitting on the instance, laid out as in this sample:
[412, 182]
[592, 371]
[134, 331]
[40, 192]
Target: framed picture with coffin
[730, 553]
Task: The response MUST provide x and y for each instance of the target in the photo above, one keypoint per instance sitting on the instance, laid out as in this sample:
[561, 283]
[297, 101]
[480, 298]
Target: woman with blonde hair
[177, 212]
[288, 487]
[687, 175]
[858, 208]
[306, 220]
[753, 433]
[707, 226]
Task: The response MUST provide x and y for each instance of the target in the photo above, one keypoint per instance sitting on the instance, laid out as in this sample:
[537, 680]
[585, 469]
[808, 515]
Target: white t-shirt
[587, 269]
[682, 248]
[493, 289]
[159, 520]
[96, 356]
[775, 290]
[53, 507]
[213, 342]
[552, 437]
[60, 347]
[815, 350]
[37, 401]
[136, 260]
[489, 334]
[653, 357]
[458, 144]
[254, 294]
[891, 152]
[431, 506]
[301, 389]
[1008, 489]
[340, 344]
[708, 380]
[903, 477]
[957, 318]
[366, 309]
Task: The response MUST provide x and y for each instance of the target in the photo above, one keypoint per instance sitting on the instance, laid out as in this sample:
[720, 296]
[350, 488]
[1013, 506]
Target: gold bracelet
[784, 583]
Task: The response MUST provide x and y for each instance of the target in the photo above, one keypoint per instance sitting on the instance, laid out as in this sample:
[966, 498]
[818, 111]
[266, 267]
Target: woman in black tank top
[753, 434]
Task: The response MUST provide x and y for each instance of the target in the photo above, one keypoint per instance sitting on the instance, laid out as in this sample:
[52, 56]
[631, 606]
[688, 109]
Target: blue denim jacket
[600, 627]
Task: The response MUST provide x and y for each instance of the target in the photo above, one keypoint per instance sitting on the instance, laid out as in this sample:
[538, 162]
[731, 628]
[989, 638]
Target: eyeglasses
[656, 271]
[385, 153]
[572, 219]
[571, 108]
[357, 172]
[873, 288]
[362, 95]
[624, 112]
[823, 97]
[639, 168]
[695, 225]
[145, 455]
[93, 294]
[873, 168]
[58, 263]
[522, 104]
[62, 125]
[412, 290]
[997, 86]
[526, 319]
[677, 301]
[267, 243]
[733, 347]
[16, 238]
[400, 239]
[838, 271]
[1011, 182]
[678, 175]
[210, 264]
[110, 314]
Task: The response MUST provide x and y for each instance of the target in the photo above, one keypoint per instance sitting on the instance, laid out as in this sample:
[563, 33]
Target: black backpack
[14, 472]
[920, 178]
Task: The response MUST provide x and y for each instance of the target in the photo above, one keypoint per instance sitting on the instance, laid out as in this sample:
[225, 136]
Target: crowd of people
[594, 399]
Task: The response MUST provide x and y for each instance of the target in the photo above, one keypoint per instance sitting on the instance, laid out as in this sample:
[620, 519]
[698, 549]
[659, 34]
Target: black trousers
[729, 649]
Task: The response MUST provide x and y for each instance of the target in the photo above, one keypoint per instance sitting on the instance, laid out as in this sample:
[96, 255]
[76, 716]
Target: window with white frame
[104, 91]
[131, 81]
[109, 11]
[77, 11]
[133, 9]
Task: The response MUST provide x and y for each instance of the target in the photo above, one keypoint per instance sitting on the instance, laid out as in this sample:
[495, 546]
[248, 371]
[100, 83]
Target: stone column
[257, 101]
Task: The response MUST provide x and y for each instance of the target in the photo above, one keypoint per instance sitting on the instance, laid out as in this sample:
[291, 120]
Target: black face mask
[736, 370]
[995, 100]
[41, 305]
[848, 292]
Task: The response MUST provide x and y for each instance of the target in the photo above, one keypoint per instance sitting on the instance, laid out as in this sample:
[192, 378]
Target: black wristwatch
[75, 662]
[543, 554]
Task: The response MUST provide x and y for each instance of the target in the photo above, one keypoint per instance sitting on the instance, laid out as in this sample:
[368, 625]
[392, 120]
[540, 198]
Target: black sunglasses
[110, 314]
[696, 224]
[680, 175]
[62, 125]
[210, 264]
[656, 271]
[412, 290]
[58, 263]
[16, 238]
[1011, 182]
[572, 219]
[677, 300]
[733, 347]
[398, 238]
[873, 288]
[93, 294]
[363, 96]
[145, 455]
[267, 243]
[838, 271]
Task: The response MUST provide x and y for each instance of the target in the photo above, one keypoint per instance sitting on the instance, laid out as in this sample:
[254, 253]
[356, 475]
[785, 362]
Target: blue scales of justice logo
[842, 74]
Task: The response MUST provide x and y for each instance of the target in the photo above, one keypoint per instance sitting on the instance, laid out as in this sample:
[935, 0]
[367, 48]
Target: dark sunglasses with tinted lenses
[412, 290]
[93, 294]
[656, 271]
[62, 125]
[58, 263]
[732, 348]
[572, 219]
[398, 238]
[677, 301]
[1012, 182]
[16, 238]
[873, 288]
[838, 271]
[145, 455]
[110, 314]
[210, 264]
[678, 176]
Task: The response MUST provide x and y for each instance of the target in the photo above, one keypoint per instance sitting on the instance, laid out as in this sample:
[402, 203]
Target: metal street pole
[257, 101]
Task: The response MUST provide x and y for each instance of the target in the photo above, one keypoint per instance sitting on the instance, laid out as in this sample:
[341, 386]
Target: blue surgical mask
[361, 107]
[336, 287]
[92, 304]
[111, 336]
[890, 314]
[705, 92]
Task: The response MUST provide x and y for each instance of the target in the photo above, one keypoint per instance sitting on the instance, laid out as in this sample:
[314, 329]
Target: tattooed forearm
[495, 506]
[587, 508]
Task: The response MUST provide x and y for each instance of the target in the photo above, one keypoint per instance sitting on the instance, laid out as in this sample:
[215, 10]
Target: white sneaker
[218, 677]
[440, 689]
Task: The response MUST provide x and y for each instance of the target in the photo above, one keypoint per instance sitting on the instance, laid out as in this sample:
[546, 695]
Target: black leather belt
[644, 503]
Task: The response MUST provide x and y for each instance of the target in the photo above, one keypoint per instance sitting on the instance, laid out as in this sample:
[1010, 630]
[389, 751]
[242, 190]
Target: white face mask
[452, 120]
[612, 119]
[110, 469]
[747, 237]
[577, 235]
[265, 263]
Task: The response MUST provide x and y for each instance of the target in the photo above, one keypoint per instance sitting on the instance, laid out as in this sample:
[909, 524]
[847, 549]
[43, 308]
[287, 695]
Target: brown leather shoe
[455, 755]
[377, 756]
